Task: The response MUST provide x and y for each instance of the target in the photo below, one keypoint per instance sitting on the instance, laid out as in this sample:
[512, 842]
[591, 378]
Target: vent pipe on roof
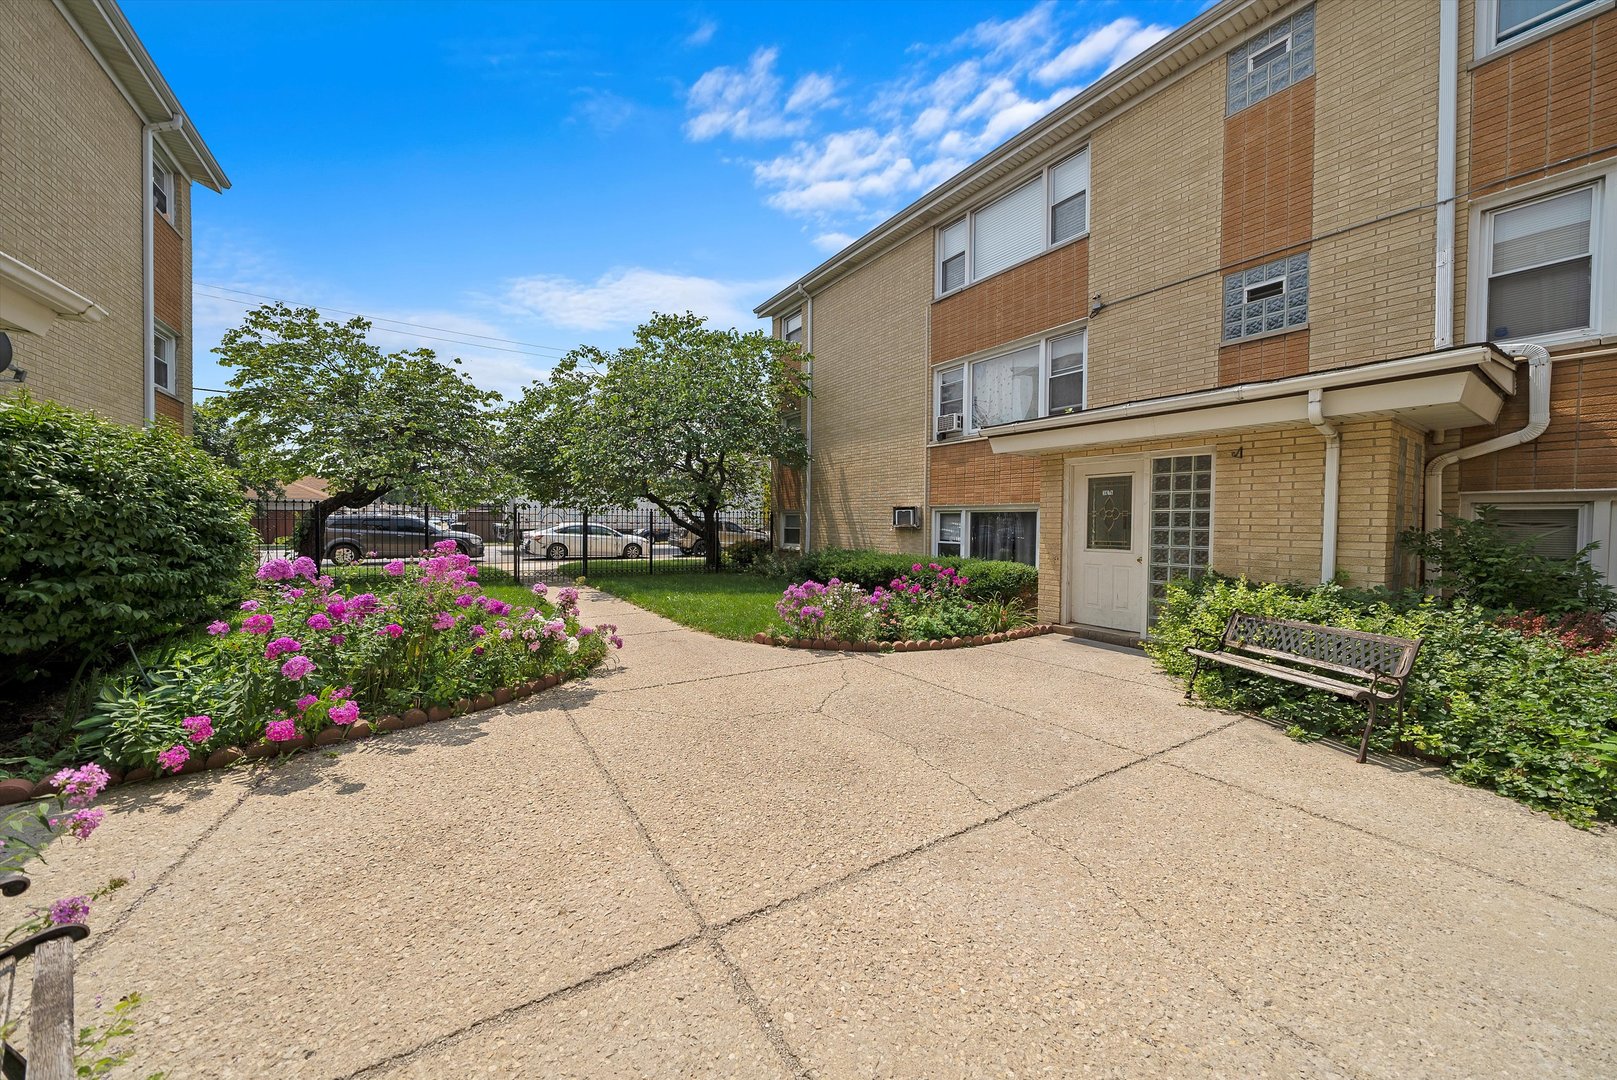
[1538, 419]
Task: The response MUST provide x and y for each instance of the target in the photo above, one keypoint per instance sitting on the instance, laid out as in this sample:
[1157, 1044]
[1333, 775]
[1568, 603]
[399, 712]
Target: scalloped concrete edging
[925, 645]
[20, 790]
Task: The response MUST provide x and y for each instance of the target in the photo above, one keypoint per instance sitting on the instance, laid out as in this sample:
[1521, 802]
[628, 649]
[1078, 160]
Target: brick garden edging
[927, 645]
[18, 789]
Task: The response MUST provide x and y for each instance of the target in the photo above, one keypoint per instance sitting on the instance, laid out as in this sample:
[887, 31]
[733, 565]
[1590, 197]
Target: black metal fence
[517, 540]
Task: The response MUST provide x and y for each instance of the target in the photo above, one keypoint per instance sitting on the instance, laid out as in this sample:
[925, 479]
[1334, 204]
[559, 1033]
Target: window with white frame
[791, 529]
[163, 349]
[1502, 23]
[1554, 529]
[791, 328]
[1044, 378]
[162, 190]
[1049, 209]
[1541, 266]
[1267, 299]
[1270, 61]
[989, 533]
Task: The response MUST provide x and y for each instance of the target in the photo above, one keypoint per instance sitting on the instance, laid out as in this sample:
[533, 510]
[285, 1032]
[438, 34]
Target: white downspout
[148, 241]
[1333, 483]
[808, 421]
[1538, 418]
[1448, 80]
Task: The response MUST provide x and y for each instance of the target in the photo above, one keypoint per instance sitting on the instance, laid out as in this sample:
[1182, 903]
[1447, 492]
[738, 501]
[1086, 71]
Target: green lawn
[728, 605]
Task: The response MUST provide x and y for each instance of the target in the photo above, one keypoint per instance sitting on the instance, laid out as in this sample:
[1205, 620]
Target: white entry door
[1108, 546]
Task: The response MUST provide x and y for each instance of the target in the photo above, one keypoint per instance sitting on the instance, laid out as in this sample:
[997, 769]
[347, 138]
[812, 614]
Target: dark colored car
[352, 537]
[656, 534]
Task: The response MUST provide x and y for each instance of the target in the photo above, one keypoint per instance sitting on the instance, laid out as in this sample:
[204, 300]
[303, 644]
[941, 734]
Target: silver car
[571, 540]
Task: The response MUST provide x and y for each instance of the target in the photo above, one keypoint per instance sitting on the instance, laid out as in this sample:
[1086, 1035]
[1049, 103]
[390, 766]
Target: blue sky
[549, 174]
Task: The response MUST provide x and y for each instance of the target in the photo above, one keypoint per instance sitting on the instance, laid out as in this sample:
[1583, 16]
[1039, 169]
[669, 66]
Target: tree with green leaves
[687, 418]
[313, 397]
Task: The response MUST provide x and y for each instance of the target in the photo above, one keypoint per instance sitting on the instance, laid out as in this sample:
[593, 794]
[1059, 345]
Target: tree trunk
[308, 539]
[710, 529]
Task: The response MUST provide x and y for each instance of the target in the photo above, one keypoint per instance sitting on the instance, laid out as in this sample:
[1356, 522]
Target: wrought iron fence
[517, 541]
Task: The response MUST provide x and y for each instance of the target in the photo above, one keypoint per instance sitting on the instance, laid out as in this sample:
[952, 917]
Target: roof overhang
[105, 31]
[1454, 388]
[31, 302]
[1207, 33]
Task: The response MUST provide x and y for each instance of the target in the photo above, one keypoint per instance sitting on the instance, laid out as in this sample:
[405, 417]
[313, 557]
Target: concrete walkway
[721, 859]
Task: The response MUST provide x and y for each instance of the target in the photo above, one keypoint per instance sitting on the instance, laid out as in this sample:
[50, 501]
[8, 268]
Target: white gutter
[1538, 419]
[148, 241]
[1448, 80]
[1333, 483]
[808, 422]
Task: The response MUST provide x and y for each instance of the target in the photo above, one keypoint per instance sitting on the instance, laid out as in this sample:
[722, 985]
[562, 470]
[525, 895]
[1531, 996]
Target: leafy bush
[303, 657]
[929, 604]
[108, 534]
[988, 578]
[1481, 564]
[1522, 714]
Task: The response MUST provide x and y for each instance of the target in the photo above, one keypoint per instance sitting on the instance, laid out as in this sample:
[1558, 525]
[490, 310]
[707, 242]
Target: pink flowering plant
[303, 654]
[929, 602]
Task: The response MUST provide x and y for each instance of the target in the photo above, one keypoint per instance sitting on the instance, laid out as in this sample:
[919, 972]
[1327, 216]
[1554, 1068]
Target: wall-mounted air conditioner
[906, 517]
[948, 424]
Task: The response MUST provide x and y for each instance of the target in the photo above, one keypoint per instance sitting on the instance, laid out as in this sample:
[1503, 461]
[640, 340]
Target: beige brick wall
[1375, 153]
[872, 401]
[72, 195]
[1156, 172]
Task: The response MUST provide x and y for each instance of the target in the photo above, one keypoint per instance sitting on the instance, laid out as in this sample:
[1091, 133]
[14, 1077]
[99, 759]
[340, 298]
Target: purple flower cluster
[198, 728]
[174, 758]
[80, 786]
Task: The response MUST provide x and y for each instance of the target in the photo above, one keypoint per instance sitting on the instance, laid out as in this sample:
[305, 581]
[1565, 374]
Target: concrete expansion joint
[715, 678]
[1400, 844]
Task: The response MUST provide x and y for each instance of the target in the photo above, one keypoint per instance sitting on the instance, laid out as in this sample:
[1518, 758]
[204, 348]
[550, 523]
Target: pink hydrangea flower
[218, 626]
[275, 570]
[81, 785]
[318, 621]
[476, 630]
[585, 631]
[297, 667]
[258, 624]
[174, 758]
[363, 604]
[306, 700]
[344, 694]
[346, 713]
[465, 600]
[304, 567]
[281, 646]
[84, 822]
[443, 621]
[249, 605]
[198, 728]
[294, 594]
[448, 547]
[539, 588]
[69, 909]
[338, 639]
[391, 630]
[281, 731]
[395, 568]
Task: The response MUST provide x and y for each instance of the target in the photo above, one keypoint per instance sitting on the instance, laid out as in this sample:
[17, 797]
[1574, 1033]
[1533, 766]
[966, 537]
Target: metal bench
[1368, 668]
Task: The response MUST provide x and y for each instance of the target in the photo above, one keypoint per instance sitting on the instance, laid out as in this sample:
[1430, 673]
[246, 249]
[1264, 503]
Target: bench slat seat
[1372, 669]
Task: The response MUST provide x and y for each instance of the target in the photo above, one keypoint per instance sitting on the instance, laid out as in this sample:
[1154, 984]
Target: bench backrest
[1351, 651]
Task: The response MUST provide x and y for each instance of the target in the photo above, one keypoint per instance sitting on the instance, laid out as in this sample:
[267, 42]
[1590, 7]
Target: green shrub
[986, 578]
[1522, 714]
[108, 534]
[1481, 564]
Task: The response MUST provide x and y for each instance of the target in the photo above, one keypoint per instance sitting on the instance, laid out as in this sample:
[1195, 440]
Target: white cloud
[1029, 33]
[626, 298]
[833, 241]
[1136, 43]
[1106, 46]
[746, 103]
[702, 34]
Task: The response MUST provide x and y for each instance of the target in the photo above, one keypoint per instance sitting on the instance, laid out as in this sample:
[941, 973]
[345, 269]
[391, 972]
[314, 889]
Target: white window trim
[802, 328]
[173, 358]
[1486, 26]
[784, 514]
[170, 188]
[1284, 39]
[1602, 250]
[970, 218]
[970, 430]
[965, 525]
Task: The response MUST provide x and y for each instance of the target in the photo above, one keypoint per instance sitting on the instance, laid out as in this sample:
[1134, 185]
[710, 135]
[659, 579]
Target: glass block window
[1267, 299]
[1181, 521]
[1271, 61]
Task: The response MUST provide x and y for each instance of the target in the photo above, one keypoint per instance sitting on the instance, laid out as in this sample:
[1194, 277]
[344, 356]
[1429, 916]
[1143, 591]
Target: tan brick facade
[73, 194]
[1578, 451]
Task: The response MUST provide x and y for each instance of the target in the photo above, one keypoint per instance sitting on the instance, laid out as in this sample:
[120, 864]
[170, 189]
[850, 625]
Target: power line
[424, 337]
[379, 318]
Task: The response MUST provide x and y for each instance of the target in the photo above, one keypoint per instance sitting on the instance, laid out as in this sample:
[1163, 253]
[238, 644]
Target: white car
[570, 540]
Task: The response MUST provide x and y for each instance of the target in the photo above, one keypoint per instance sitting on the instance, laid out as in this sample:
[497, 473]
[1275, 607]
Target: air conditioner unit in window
[948, 423]
[906, 517]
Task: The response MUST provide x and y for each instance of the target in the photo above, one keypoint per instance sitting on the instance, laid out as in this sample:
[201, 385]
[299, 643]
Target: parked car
[352, 537]
[657, 534]
[570, 540]
[730, 534]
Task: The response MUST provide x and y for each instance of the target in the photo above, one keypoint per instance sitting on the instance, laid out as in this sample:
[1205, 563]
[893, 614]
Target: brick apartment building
[97, 162]
[1234, 306]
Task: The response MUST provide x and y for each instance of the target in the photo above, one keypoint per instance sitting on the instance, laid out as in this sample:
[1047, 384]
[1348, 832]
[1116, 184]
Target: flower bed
[929, 607]
[926, 645]
[306, 665]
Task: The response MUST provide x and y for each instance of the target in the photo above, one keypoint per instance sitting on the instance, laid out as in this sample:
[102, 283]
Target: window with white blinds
[1008, 230]
[1049, 209]
[1552, 530]
[1540, 267]
[1069, 197]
